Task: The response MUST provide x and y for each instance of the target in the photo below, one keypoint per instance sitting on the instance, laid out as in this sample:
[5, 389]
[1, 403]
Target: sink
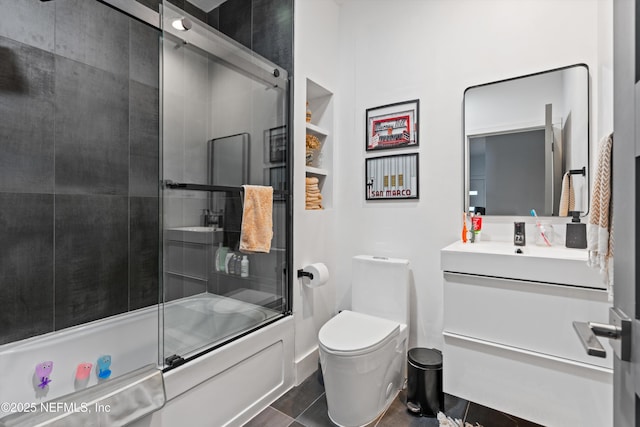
[530, 250]
[196, 229]
[195, 234]
[555, 264]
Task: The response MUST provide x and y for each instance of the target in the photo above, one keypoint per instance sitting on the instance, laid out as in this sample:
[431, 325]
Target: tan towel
[257, 219]
[567, 197]
[600, 226]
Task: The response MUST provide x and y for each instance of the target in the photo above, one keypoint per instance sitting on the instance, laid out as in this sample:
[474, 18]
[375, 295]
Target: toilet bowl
[362, 365]
[363, 350]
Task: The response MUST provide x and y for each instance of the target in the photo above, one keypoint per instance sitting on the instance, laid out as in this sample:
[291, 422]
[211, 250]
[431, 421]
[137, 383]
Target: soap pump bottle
[576, 236]
[216, 258]
[244, 267]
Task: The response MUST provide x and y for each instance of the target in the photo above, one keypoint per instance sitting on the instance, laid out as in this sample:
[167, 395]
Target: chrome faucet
[211, 219]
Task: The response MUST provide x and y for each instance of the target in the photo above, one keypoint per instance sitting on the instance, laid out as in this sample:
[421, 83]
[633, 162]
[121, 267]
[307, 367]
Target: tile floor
[306, 406]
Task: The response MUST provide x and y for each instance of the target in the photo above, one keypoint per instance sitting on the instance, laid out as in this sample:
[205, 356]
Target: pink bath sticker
[83, 371]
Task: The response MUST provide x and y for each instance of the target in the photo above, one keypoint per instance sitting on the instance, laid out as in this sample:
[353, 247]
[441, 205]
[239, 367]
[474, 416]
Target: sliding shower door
[224, 124]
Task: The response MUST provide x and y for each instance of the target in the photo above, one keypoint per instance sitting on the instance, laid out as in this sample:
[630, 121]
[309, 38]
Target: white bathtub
[263, 359]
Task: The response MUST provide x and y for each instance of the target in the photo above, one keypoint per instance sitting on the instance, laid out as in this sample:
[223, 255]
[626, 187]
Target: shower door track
[177, 360]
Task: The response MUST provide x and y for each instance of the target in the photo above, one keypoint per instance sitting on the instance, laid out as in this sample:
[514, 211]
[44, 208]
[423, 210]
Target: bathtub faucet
[212, 219]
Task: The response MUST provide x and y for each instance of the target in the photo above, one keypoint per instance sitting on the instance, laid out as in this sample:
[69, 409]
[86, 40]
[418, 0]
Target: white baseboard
[306, 365]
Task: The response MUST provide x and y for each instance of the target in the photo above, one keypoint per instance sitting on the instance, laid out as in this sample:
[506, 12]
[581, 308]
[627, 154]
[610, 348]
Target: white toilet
[363, 350]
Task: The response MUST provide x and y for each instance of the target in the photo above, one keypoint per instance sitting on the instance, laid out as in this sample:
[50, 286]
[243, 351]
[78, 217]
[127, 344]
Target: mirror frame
[465, 148]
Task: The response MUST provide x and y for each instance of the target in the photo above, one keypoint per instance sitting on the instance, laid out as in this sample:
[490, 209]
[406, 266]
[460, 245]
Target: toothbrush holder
[545, 227]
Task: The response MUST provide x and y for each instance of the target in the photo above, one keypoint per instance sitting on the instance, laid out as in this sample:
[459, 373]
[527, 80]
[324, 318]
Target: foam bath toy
[104, 363]
[83, 371]
[43, 372]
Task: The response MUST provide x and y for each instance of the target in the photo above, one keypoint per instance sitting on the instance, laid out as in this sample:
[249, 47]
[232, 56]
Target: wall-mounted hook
[582, 171]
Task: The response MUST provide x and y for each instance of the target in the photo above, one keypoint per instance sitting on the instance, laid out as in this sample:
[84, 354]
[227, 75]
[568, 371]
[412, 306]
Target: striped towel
[567, 197]
[600, 226]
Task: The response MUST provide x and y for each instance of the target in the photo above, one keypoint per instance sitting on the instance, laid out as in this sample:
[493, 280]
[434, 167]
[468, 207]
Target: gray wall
[518, 188]
[79, 165]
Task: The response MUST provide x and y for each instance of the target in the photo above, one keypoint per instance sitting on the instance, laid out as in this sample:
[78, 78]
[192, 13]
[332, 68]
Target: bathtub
[207, 390]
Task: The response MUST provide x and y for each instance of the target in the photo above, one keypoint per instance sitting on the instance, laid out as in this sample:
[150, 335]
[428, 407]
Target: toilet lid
[356, 333]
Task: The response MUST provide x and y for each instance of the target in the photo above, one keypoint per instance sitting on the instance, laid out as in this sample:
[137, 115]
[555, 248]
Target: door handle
[589, 339]
[618, 331]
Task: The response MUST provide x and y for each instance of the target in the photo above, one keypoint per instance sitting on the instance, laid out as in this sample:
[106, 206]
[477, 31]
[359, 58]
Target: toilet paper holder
[302, 273]
[316, 275]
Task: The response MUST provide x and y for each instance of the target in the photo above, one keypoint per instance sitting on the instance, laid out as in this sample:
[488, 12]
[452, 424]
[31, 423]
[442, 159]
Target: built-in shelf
[316, 171]
[320, 105]
[249, 277]
[316, 130]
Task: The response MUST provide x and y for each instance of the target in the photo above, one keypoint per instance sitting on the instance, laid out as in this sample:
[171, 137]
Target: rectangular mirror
[526, 142]
[229, 160]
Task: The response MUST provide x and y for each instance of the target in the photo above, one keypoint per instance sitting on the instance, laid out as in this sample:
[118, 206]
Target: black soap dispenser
[576, 232]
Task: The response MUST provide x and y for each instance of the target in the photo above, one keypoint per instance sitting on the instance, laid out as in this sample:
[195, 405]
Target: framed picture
[278, 180]
[392, 177]
[393, 125]
[278, 144]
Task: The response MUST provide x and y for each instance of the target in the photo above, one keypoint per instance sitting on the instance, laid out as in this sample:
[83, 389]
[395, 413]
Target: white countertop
[195, 234]
[555, 264]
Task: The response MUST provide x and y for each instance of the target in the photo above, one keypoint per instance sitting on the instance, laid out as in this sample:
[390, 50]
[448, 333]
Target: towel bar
[203, 187]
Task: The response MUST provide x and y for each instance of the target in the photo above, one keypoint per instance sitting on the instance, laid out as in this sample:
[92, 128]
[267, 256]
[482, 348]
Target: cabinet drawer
[527, 315]
[539, 388]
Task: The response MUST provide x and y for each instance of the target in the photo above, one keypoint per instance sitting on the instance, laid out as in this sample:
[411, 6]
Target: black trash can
[424, 382]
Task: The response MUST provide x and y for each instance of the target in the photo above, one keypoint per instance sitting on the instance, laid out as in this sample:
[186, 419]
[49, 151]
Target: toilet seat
[352, 334]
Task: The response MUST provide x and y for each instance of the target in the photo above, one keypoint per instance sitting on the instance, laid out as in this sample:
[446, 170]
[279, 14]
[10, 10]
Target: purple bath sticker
[43, 372]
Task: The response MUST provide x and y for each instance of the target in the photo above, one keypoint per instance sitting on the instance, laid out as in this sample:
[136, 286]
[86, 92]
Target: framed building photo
[278, 144]
[392, 177]
[278, 180]
[393, 125]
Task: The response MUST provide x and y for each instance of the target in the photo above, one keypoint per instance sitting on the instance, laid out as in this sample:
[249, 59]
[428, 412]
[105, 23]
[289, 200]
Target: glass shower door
[224, 124]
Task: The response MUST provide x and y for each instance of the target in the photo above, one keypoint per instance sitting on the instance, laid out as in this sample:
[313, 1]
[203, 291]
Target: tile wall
[79, 135]
[79, 176]
[264, 26]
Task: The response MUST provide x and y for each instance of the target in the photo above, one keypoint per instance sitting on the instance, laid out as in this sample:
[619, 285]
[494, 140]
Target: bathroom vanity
[509, 342]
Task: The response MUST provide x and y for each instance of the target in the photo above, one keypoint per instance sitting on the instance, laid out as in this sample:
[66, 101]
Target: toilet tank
[380, 287]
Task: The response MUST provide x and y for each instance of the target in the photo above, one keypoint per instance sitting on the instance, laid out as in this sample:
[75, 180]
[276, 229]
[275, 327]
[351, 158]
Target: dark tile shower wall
[264, 26]
[272, 32]
[79, 140]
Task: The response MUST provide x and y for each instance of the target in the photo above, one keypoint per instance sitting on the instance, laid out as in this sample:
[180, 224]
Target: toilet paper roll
[320, 275]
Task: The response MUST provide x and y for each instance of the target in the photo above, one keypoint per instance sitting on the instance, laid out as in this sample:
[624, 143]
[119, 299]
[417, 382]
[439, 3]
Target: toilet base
[360, 388]
[382, 411]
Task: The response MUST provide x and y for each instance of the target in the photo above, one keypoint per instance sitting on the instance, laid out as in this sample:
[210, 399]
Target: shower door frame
[262, 69]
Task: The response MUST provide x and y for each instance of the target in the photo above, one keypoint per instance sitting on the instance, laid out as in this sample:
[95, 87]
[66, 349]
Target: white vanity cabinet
[509, 341]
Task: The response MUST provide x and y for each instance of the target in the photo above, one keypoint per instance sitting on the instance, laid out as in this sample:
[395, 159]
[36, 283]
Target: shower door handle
[618, 331]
